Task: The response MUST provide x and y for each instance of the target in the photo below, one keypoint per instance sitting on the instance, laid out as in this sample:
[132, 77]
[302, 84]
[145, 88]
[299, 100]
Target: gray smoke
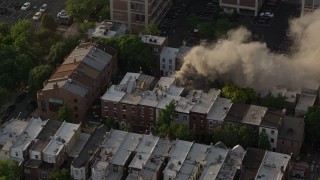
[252, 64]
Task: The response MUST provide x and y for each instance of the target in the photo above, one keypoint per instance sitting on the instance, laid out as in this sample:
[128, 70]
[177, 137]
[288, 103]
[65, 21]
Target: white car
[37, 16]
[269, 14]
[43, 8]
[62, 14]
[25, 6]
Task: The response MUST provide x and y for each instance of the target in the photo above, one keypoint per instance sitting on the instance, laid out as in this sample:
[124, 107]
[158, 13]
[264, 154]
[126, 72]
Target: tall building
[137, 14]
[309, 6]
[79, 80]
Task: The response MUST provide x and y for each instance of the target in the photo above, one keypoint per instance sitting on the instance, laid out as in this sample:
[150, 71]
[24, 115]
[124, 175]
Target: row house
[168, 61]
[35, 167]
[78, 81]
[109, 147]
[9, 133]
[157, 161]
[81, 165]
[142, 154]
[138, 14]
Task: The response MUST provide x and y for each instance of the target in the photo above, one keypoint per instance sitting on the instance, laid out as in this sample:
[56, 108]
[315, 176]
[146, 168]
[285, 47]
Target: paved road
[315, 166]
[13, 16]
[21, 110]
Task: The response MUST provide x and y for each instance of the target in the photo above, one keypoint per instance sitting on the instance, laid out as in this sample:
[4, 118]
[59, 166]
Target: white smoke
[252, 64]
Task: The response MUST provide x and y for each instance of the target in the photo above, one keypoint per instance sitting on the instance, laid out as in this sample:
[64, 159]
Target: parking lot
[13, 13]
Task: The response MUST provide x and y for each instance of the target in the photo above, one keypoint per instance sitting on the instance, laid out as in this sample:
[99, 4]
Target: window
[170, 61]
[27, 171]
[114, 106]
[44, 175]
[124, 116]
[133, 108]
[75, 115]
[115, 115]
[264, 130]
[76, 172]
[123, 107]
[75, 108]
[272, 140]
[36, 156]
[184, 118]
[274, 149]
[133, 6]
[43, 106]
[210, 131]
[211, 122]
[17, 154]
[272, 132]
[75, 100]
[55, 104]
[115, 168]
[163, 60]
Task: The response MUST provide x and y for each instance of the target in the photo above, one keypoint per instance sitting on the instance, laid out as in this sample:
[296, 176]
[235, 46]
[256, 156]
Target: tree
[38, 75]
[60, 174]
[166, 115]
[109, 122]
[181, 131]
[129, 60]
[270, 101]
[233, 92]
[206, 30]
[4, 96]
[9, 169]
[193, 20]
[312, 124]
[48, 22]
[127, 127]
[222, 26]
[64, 113]
[152, 29]
[264, 142]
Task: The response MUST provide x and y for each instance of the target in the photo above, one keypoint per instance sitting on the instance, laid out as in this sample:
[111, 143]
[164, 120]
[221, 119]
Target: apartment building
[20, 147]
[81, 165]
[244, 7]
[78, 81]
[291, 136]
[9, 133]
[177, 156]
[157, 161]
[35, 168]
[142, 154]
[113, 141]
[138, 14]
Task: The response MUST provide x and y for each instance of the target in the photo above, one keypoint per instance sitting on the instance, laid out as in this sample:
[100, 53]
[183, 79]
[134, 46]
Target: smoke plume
[252, 64]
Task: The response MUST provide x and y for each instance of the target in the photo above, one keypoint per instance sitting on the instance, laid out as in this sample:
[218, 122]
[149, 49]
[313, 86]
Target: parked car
[63, 14]
[3, 11]
[267, 13]
[25, 6]
[37, 16]
[43, 8]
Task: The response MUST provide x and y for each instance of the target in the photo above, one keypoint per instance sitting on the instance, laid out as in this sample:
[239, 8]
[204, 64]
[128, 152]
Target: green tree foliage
[127, 127]
[9, 170]
[85, 26]
[237, 94]
[206, 30]
[64, 113]
[38, 75]
[61, 49]
[80, 9]
[48, 22]
[270, 101]
[45, 38]
[132, 53]
[232, 134]
[60, 174]
[264, 142]
[4, 29]
[193, 20]
[152, 29]
[109, 122]
[166, 115]
[222, 26]
[4, 96]
[312, 124]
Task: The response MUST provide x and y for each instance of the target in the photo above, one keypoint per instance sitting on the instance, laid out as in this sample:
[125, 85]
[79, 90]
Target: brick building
[246, 7]
[137, 14]
[80, 79]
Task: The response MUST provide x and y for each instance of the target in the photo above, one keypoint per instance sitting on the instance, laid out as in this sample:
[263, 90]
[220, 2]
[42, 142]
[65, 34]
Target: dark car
[20, 97]
[10, 109]
[3, 11]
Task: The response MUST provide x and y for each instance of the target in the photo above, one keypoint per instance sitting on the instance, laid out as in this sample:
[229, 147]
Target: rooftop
[183, 50]
[254, 115]
[251, 163]
[215, 157]
[204, 101]
[156, 40]
[79, 145]
[219, 109]
[91, 146]
[30, 133]
[292, 129]
[196, 155]
[108, 29]
[169, 53]
[290, 95]
[272, 119]
[62, 136]
[232, 164]
[109, 147]
[10, 131]
[157, 157]
[177, 156]
[143, 151]
[237, 112]
[306, 101]
[75, 87]
[45, 135]
[127, 147]
[273, 166]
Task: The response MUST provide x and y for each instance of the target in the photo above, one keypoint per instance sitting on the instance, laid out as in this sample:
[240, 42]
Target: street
[315, 166]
